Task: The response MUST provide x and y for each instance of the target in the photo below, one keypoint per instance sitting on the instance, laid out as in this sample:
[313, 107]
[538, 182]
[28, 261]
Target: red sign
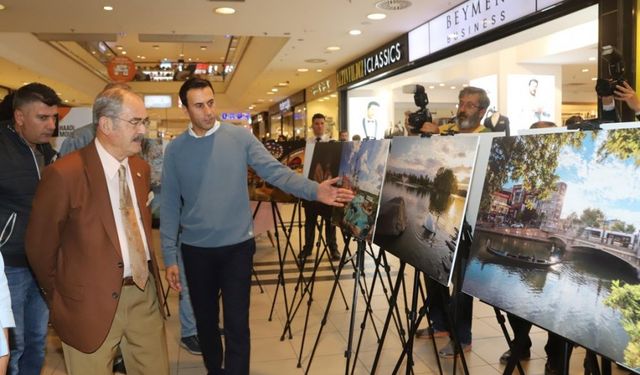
[121, 69]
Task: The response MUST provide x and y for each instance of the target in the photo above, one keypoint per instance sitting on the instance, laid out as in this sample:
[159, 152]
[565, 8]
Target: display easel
[360, 283]
[306, 286]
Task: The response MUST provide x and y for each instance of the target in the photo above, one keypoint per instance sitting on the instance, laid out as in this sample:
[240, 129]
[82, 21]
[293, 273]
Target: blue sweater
[204, 188]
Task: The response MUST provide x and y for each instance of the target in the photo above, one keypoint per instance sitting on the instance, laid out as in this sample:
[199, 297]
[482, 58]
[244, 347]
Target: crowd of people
[75, 233]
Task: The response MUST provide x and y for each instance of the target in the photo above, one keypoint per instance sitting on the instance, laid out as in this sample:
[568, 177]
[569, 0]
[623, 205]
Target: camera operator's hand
[628, 95]
[429, 128]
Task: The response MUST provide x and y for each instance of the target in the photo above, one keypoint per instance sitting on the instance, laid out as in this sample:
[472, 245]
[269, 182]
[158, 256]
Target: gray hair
[470, 90]
[108, 103]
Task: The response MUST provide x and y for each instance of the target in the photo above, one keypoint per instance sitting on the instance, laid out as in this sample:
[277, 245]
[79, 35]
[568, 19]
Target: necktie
[137, 256]
[317, 139]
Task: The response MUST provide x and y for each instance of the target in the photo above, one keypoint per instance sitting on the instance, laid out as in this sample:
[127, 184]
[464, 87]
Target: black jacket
[19, 176]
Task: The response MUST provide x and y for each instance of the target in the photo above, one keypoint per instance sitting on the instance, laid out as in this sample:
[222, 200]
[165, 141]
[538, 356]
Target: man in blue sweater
[205, 202]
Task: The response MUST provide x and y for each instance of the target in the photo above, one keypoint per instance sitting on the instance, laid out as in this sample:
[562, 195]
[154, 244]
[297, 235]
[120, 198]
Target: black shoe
[305, 253]
[506, 356]
[118, 365]
[191, 344]
[548, 370]
[335, 254]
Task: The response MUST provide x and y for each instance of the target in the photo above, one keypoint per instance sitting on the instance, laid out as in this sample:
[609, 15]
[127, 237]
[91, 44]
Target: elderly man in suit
[88, 242]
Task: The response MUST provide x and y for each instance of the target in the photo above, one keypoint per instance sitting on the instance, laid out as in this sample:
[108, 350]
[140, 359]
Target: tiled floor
[272, 355]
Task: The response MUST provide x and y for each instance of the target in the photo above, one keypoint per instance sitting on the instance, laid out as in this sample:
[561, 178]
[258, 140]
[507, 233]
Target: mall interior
[273, 65]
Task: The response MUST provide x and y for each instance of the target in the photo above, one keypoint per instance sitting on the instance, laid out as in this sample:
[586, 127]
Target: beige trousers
[138, 329]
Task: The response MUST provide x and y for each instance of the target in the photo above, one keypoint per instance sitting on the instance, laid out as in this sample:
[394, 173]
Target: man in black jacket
[25, 151]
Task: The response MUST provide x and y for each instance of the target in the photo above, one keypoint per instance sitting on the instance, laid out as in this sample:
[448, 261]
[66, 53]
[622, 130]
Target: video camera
[615, 64]
[418, 118]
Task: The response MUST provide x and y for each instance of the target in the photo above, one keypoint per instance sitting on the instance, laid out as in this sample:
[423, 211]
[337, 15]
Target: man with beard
[24, 153]
[89, 244]
[472, 105]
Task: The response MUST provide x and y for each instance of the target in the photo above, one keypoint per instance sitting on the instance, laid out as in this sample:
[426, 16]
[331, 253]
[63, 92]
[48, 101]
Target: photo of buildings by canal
[556, 240]
[362, 166]
[423, 201]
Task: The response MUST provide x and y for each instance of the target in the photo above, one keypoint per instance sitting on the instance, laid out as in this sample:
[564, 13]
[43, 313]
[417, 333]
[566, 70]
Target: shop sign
[235, 116]
[284, 105]
[381, 60]
[324, 87]
[121, 69]
[468, 20]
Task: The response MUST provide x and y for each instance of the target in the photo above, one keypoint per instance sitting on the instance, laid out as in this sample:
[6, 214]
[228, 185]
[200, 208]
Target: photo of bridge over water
[557, 238]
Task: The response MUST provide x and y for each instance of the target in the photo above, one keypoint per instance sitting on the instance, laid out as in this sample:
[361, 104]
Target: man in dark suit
[88, 242]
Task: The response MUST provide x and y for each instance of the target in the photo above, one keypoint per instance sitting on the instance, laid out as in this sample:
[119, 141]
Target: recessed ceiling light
[452, 87]
[319, 70]
[274, 89]
[269, 93]
[202, 48]
[594, 78]
[107, 7]
[432, 87]
[260, 100]
[189, 59]
[142, 57]
[441, 84]
[225, 10]
[585, 70]
[303, 70]
[464, 85]
[2, 7]
[119, 47]
[592, 58]
[377, 16]
[283, 84]
[333, 48]
[25, 83]
[182, 55]
[355, 32]
[93, 52]
[124, 52]
[66, 100]
[155, 46]
[334, 95]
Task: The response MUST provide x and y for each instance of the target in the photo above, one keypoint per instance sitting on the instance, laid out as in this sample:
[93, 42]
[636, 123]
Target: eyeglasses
[462, 104]
[137, 121]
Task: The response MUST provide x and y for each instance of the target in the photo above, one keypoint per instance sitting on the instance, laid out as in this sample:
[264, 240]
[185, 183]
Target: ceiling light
[594, 78]
[464, 85]
[319, 70]
[107, 7]
[334, 95]
[202, 48]
[182, 55]
[452, 87]
[333, 48]
[225, 10]
[283, 84]
[303, 70]
[441, 84]
[155, 46]
[66, 100]
[355, 32]
[377, 16]
[124, 52]
[585, 70]
[274, 89]
[432, 87]
[260, 100]
[592, 58]
[119, 47]
[142, 57]
[269, 93]
[2, 7]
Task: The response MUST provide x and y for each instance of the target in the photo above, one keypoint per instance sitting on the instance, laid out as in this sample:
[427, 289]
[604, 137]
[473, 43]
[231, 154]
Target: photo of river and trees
[557, 237]
[423, 201]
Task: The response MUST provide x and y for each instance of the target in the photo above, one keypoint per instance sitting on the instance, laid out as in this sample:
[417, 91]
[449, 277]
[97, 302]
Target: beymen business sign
[467, 20]
[389, 56]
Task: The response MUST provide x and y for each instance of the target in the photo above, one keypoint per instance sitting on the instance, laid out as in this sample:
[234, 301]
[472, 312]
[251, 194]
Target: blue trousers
[28, 339]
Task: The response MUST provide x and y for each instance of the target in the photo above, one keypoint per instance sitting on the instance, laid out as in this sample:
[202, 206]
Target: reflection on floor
[271, 355]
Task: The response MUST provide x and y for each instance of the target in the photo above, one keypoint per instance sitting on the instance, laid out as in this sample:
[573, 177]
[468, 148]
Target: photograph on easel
[289, 153]
[362, 168]
[423, 200]
[324, 165]
[556, 237]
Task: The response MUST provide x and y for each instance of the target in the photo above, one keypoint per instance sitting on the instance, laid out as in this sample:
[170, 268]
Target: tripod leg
[392, 306]
[255, 276]
[408, 348]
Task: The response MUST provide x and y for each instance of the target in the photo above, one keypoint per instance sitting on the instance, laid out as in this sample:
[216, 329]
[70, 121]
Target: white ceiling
[284, 34]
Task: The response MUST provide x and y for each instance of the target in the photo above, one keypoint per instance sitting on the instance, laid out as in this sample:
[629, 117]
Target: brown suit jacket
[72, 245]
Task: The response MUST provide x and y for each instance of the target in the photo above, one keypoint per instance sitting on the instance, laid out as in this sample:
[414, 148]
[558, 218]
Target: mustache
[138, 138]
